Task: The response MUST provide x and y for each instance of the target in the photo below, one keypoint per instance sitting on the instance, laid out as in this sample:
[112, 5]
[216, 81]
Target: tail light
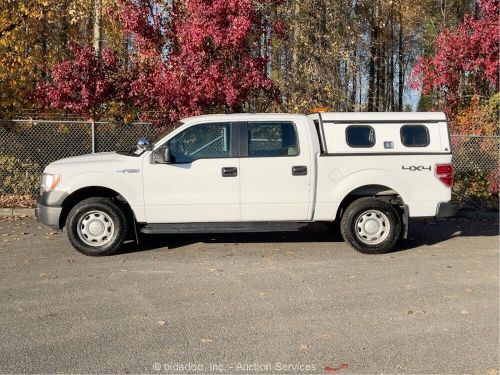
[445, 173]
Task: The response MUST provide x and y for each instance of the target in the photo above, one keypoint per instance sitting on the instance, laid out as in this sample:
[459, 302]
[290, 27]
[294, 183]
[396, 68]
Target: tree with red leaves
[83, 84]
[193, 57]
[466, 60]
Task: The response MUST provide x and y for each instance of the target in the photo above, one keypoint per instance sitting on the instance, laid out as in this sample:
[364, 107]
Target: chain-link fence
[476, 161]
[475, 153]
[27, 146]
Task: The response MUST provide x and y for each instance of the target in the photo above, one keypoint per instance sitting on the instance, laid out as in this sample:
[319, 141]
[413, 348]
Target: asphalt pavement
[251, 303]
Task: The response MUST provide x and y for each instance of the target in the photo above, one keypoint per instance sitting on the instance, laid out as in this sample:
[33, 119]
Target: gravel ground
[252, 303]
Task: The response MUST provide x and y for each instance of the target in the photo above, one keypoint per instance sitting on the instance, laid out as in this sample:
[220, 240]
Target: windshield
[165, 131]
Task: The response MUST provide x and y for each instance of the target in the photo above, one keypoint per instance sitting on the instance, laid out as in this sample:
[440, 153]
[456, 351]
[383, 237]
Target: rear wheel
[96, 226]
[371, 226]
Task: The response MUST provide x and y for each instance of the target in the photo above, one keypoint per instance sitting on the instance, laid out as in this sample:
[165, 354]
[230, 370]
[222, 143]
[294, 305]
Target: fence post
[93, 135]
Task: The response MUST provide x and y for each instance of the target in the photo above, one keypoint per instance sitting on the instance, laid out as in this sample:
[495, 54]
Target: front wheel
[371, 226]
[96, 226]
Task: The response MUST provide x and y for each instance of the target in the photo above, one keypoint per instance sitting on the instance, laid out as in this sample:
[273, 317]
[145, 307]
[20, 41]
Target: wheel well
[383, 192]
[88, 192]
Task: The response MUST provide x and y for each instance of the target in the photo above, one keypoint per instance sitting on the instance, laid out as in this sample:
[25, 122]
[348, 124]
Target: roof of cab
[326, 116]
[242, 116]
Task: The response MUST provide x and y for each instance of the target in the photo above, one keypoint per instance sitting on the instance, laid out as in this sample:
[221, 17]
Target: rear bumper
[48, 216]
[446, 209]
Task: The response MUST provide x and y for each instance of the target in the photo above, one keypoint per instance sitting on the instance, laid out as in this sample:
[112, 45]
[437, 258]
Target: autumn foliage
[466, 59]
[478, 118]
[198, 59]
[84, 83]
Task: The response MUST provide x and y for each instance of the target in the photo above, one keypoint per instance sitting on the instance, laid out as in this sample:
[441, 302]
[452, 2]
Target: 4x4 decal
[416, 168]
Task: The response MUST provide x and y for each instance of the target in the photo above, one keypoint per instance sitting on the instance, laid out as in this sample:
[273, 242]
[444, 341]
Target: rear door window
[415, 136]
[272, 139]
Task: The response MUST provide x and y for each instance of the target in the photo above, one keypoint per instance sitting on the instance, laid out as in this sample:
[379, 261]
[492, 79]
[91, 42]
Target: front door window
[205, 141]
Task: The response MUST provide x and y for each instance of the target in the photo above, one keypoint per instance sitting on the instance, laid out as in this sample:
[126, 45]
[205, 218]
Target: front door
[275, 172]
[202, 184]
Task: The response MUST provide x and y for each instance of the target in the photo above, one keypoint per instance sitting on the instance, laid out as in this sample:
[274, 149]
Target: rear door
[275, 170]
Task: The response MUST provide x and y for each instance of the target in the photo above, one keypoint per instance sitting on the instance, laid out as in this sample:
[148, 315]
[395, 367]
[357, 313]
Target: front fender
[128, 185]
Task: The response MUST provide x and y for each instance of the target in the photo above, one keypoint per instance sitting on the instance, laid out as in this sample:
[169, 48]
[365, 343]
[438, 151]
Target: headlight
[50, 182]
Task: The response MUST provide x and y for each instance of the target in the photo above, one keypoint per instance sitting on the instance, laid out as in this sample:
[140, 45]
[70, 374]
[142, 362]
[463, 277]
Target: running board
[248, 227]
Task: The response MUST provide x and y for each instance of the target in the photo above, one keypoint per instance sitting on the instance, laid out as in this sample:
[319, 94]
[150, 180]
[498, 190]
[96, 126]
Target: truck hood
[100, 162]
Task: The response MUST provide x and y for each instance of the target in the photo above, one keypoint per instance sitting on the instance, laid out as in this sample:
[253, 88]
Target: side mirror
[163, 156]
[142, 144]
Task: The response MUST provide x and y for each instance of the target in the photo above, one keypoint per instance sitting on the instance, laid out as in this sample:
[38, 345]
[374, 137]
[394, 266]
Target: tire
[371, 226]
[97, 226]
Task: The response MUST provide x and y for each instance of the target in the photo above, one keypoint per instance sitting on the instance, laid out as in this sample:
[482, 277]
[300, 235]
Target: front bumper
[48, 209]
[446, 209]
[48, 216]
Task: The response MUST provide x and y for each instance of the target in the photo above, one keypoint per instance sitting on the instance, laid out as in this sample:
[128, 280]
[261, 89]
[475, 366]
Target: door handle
[229, 172]
[299, 170]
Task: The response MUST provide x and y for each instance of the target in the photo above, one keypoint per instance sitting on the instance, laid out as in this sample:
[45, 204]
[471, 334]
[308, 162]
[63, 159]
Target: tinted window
[272, 139]
[360, 136]
[201, 142]
[414, 136]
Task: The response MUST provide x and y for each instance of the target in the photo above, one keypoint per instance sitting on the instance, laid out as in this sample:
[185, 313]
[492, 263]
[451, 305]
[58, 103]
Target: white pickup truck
[368, 172]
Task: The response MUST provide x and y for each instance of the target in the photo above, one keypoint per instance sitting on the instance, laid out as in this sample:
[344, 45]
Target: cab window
[272, 139]
[204, 141]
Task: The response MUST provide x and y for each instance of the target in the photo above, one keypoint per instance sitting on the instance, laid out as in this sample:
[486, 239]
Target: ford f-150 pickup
[367, 172]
